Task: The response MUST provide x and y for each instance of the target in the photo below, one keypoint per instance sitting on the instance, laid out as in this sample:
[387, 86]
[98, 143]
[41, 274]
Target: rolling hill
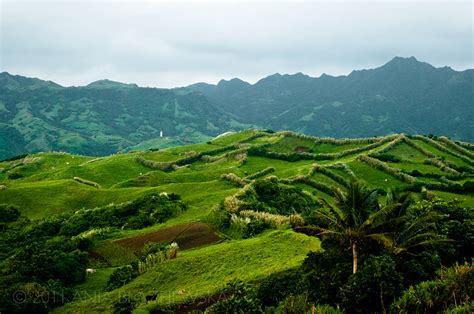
[217, 174]
[101, 118]
[104, 117]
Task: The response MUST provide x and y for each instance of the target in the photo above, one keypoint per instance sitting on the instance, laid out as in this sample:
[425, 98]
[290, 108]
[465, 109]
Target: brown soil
[187, 236]
[301, 149]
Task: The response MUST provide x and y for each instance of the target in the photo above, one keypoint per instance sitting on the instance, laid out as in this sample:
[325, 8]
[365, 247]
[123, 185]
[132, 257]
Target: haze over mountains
[404, 95]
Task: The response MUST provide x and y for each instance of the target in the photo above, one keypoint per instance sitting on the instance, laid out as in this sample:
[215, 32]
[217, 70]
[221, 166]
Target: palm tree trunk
[354, 257]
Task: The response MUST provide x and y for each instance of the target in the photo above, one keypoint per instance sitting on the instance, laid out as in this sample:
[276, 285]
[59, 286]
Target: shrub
[120, 277]
[233, 178]
[455, 146]
[444, 149]
[273, 220]
[86, 182]
[276, 287]
[240, 299]
[344, 167]
[124, 305]
[8, 213]
[317, 185]
[453, 288]
[330, 174]
[380, 165]
[373, 287]
[260, 173]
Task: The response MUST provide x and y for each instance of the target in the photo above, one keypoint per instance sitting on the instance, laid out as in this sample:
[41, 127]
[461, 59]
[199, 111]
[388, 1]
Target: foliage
[124, 305]
[453, 288]
[238, 300]
[373, 288]
[121, 276]
[8, 213]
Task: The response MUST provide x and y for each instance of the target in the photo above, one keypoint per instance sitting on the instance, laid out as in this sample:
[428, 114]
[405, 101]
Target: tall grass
[326, 188]
[441, 165]
[273, 220]
[380, 165]
[87, 182]
[455, 146]
[443, 148]
[262, 151]
[260, 173]
[317, 168]
[344, 167]
[233, 178]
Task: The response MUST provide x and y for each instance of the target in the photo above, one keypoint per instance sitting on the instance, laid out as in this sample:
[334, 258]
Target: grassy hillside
[101, 118]
[208, 174]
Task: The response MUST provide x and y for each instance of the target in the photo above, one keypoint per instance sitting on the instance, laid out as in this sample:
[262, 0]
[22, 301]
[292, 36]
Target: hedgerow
[344, 167]
[317, 185]
[443, 148]
[260, 173]
[292, 157]
[334, 141]
[86, 182]
[441, 165]
[317, 168]
[232, 177]
[274, 220]
[380, 165]
[455, 146]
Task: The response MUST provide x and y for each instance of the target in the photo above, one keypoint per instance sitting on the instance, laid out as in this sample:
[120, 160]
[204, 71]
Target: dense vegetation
[104, 117]
[265, 221]
[404, 95]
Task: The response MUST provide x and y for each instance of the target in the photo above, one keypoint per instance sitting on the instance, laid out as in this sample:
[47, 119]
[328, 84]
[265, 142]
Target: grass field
[44, 184]
[205, 271]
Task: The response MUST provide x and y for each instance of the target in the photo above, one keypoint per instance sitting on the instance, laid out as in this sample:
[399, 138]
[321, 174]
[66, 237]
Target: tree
[356, 214]
[358, 218]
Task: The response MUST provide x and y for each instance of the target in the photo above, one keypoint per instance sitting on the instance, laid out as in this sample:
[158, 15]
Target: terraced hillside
[208, 177]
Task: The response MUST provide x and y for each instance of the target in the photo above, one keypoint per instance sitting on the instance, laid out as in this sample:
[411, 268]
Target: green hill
[402, 96]
[292, 170]
[101, 118]
[105, 117]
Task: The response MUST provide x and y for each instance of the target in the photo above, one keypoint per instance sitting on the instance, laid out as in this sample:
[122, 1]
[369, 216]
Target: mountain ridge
[402, 96]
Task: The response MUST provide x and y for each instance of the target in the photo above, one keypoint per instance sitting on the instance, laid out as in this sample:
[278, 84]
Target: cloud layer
[170, 44]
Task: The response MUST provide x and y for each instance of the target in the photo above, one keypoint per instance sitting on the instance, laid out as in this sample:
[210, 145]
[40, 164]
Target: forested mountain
[404, 95]
[101, 118]
[104, 117]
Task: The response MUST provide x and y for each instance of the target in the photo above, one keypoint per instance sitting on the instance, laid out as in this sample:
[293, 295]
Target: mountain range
[104, 117]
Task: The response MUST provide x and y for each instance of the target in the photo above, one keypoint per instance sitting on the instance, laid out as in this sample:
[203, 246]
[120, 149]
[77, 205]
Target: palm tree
[352, 217]
[357, 216]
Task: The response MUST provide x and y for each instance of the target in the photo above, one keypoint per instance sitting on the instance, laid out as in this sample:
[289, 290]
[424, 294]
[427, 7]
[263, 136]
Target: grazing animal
[90, 271]
[151, 297]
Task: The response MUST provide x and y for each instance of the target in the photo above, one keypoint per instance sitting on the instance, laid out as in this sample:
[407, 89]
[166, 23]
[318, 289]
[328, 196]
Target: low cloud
[168, 44]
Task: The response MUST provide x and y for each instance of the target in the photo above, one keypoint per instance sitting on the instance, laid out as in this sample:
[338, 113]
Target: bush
[121, 277]
[8, 213]
[453, 288]
[86, 182]
[240, 299]
[124, 305]
[276, 287]
[325, 273]
[373, 287]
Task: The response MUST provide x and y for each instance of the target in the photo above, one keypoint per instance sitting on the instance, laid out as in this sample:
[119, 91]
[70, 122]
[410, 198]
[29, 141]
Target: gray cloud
[171, 44]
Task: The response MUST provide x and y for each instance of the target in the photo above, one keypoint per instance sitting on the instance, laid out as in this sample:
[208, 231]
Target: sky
[177, 43]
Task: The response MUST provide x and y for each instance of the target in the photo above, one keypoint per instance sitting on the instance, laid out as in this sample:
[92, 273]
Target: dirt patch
[301, 149]
[187, 236]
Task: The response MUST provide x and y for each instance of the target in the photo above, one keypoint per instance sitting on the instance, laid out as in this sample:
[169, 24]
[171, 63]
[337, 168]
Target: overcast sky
[169, 44]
